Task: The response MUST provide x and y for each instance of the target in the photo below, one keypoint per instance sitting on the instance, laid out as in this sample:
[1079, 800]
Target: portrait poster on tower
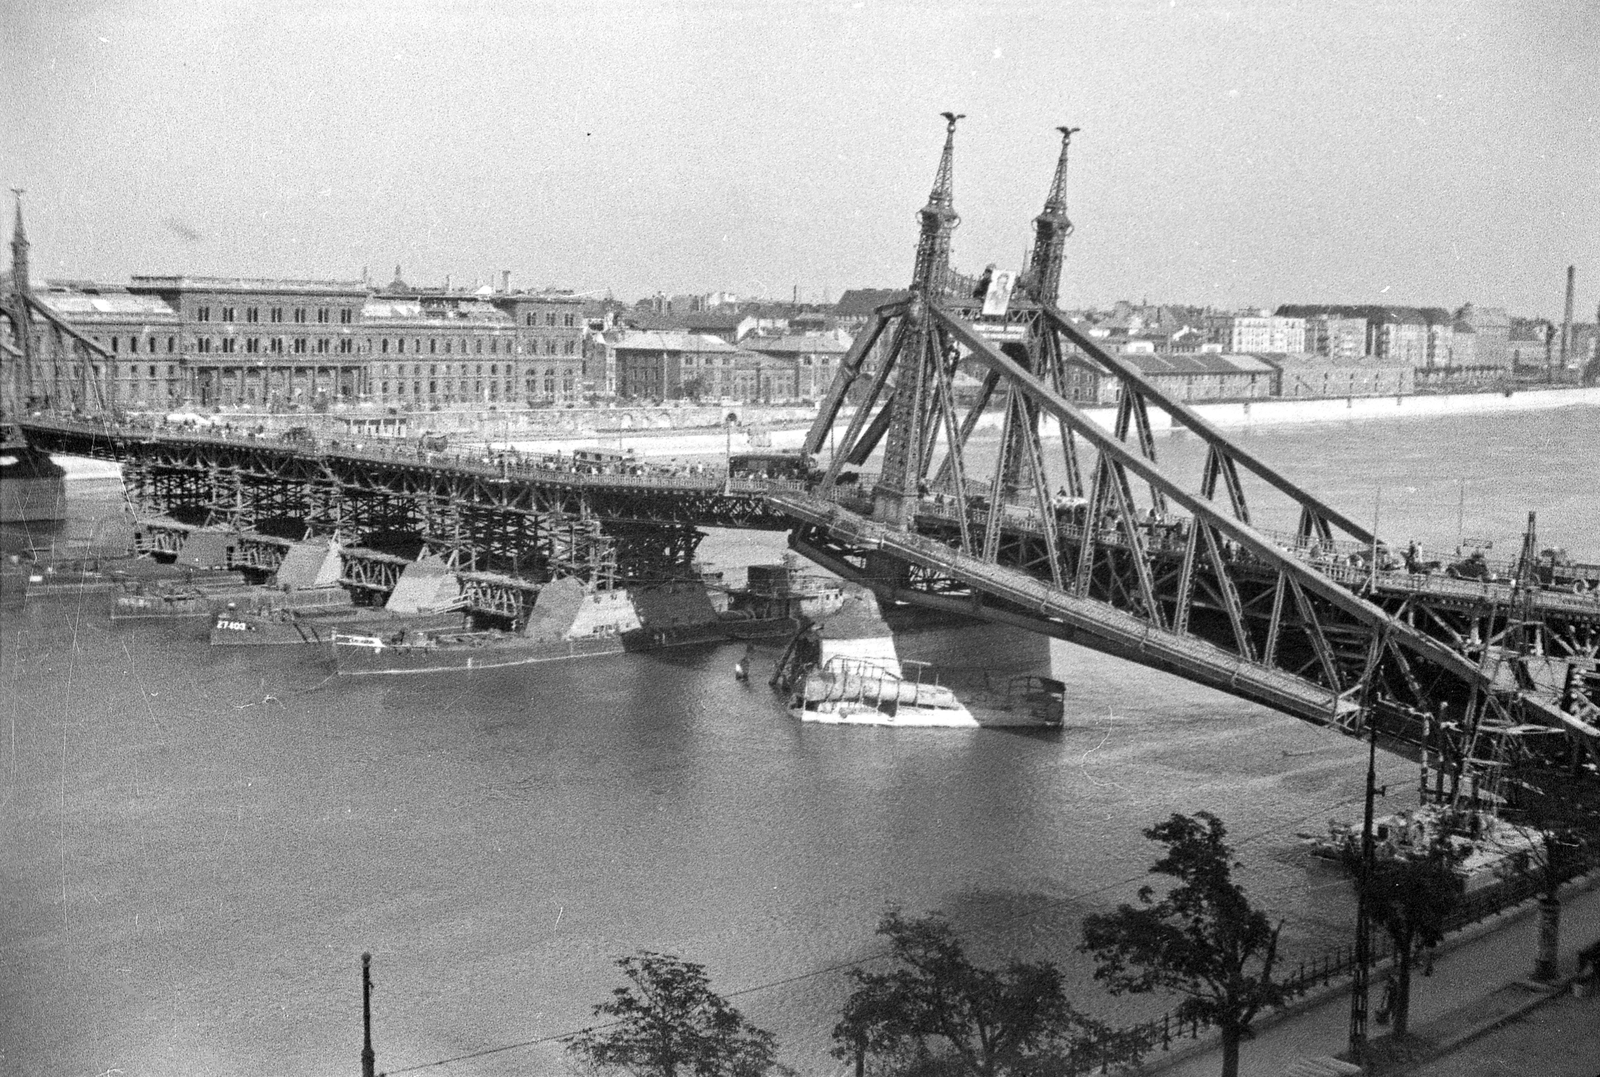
[998, 297]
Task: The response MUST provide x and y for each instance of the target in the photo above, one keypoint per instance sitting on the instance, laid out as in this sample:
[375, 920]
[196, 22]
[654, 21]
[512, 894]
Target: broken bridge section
[1078, 531]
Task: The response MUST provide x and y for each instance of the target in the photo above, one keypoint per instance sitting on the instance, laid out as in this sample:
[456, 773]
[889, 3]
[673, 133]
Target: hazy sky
[1247, 152]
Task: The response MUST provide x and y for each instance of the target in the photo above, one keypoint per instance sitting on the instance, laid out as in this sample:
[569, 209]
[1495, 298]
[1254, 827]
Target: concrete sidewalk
[1475, 988]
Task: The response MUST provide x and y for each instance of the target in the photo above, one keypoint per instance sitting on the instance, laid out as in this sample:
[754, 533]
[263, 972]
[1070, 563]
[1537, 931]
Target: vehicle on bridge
[793, 467]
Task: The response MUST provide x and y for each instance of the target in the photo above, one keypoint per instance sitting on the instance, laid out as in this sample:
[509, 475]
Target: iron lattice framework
[1172, 572]
[501, 531]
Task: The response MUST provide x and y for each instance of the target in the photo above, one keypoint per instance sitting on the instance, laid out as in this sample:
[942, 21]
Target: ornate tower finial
[939, 218]
[19, 248]
[1050, 231]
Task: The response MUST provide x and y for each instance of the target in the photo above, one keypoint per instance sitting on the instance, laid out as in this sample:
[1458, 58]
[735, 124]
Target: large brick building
[264, 342]
[656, 365]
[1187, 376]
[280, 344]
[813, 358]
[1419, 337]
[143, 334]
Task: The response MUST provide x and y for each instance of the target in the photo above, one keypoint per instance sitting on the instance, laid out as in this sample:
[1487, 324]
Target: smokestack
[505, 281]
[1566, 319]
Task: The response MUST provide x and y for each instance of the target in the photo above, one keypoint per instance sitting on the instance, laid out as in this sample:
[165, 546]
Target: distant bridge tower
[19, 247]
[18, 357]
[1050, 231]
[921, 395]
[1022, 469]
[48, 364]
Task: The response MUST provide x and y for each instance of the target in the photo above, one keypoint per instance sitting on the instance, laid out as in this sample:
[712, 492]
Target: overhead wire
[880, 955]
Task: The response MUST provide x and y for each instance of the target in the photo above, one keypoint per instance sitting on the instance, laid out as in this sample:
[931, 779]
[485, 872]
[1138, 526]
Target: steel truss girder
[1324, 623]
[1242, 533]
[1131, 377]
[856, 548]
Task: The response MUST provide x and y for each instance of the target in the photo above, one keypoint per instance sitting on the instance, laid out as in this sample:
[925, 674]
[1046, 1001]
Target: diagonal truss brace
[1213, 437]
[1246, 536]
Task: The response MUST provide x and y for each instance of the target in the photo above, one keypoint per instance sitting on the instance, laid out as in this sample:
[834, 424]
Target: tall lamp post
[369, 1059]
[1359, 995]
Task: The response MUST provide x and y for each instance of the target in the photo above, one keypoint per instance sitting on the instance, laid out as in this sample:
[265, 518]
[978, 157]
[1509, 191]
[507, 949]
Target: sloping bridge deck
[1009, 595]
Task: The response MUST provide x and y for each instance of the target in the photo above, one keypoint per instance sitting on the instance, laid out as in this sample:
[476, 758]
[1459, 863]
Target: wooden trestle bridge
[1069, 529]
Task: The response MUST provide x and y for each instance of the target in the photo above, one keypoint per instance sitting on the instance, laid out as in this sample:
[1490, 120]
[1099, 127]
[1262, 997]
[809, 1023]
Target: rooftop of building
[1200, 363]
[393, 309]
[259, 285]
[716, 319]
[1393, 314]
[105, 303]
[834, 342]
[665, 341]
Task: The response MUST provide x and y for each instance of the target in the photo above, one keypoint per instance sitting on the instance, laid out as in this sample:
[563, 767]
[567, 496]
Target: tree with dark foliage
[1411, 898]
[1202, 939]
[1560, 811]
[940, 1014]
[669, 1023]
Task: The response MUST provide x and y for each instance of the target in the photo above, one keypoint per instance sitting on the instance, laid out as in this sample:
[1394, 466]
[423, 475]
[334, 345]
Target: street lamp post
[1359, 994]
[368, 1058]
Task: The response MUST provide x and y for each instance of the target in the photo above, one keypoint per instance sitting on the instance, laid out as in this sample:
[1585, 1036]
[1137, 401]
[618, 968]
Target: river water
[198, 843]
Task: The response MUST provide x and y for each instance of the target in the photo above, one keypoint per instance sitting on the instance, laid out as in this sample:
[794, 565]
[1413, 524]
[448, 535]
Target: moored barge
[574, 620]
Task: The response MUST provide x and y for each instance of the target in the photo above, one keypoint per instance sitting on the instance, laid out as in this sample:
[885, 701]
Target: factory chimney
[505, 281]
[1566, 319]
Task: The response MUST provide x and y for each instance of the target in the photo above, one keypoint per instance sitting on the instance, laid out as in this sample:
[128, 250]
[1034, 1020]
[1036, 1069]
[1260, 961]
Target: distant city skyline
[1239, 154]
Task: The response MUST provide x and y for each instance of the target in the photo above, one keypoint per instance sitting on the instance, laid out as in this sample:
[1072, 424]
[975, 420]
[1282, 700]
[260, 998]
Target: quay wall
[1247, 413]
[1227, 415]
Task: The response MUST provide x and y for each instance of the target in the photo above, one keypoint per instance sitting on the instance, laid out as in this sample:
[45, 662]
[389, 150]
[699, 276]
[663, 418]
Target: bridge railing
[708, 481]
[1343, 561]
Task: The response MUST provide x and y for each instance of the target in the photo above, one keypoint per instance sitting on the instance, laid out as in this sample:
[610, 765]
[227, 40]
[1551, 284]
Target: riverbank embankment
[1225, 415]
[670, 432]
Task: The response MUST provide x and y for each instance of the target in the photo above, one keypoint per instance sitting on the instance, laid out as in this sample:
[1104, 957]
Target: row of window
[569, 319]
[275, 314]
[272, 346]
[449, 345]
[399, 370]
[346, 346]
[464, 389]
[151, 345]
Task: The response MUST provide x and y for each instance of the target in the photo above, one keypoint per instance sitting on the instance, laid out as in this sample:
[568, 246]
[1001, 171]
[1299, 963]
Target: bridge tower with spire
[924, 362]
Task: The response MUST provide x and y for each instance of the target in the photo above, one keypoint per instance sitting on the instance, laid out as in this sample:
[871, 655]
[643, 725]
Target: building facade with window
[142, 333]
[1243, 333]
[552, 331]
[653, 365]
[439, 351]
[262, 342]
[812, 358]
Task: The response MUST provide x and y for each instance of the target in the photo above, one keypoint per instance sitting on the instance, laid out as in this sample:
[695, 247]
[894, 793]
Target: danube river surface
[198, 843]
